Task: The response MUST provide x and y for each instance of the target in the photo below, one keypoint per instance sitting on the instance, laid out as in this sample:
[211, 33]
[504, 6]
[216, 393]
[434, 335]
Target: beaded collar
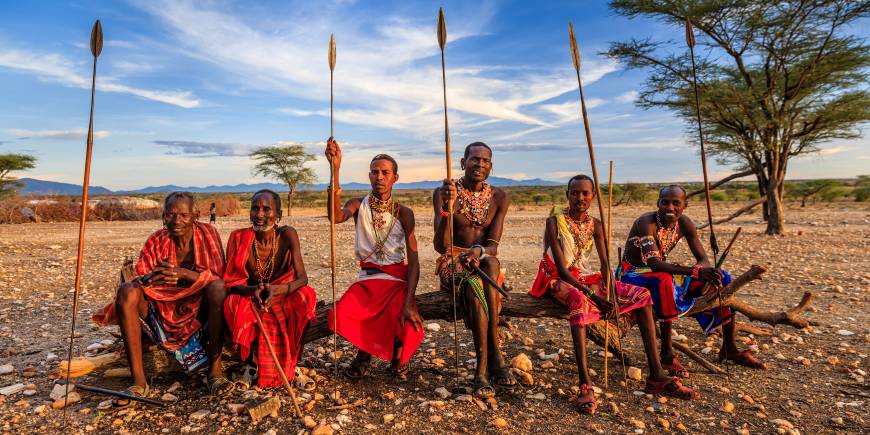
[581, 232]
[667, 237]
[474, 205]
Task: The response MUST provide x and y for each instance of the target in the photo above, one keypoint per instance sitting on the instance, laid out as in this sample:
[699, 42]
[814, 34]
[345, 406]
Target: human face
[382, 176]
[580, 194]
[264, 212]
[478, 164]
[671, 204]
[178, 217]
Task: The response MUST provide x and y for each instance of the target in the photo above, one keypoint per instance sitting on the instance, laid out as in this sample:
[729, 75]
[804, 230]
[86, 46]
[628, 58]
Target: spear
[714, 246]
[442, 41]
[331, 59]
[607, 240]
[96, 48]
[575, 56]
[690, 41]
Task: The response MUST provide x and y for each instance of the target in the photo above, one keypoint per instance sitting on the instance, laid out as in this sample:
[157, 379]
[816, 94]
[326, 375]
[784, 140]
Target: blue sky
[187, 89]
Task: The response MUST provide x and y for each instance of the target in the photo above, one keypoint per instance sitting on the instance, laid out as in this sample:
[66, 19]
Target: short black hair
[270, 192]
[672, 186]
[179, 195]
[581, 177]
[388, 158]
[475, 144]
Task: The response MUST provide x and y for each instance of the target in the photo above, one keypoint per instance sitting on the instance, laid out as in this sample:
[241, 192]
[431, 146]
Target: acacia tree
[9, 163]
[776, 79]
[285, 164]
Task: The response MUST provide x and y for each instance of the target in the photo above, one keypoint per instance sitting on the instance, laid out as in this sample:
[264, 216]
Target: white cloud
[57, 68]
[833, 150]
[56, 134]
[627, 97]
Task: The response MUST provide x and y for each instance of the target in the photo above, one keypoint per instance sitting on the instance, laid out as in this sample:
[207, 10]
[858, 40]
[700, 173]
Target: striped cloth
[284, 321]
[177, 306]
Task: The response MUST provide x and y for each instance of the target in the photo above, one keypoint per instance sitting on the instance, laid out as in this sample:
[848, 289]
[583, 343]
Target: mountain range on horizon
[33, 186]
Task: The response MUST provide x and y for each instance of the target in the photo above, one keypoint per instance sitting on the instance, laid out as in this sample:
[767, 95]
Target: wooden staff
[268, 341]
[442, 42]
[607, 280]
[96, 49]
[575, 56]
[331, 58]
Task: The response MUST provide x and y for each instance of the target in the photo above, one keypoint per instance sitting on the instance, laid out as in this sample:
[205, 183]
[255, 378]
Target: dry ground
[816, 381]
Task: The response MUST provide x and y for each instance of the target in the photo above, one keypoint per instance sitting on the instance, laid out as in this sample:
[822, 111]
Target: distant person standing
[211, 214]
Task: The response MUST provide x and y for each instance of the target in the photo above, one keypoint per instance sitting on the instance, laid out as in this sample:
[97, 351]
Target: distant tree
[9, 163]
[806, 190]
[776, 78]
[862, 188]
[285, 164]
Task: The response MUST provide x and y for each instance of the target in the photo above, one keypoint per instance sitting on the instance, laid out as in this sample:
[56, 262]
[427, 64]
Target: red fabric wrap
[177, 306]
[285, 321]
[547, 273]
[368, 314]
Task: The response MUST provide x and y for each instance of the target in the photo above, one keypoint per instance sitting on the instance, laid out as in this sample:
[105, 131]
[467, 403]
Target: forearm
[297, 284]
[658, 265]
[243, 290]
[441, 238]
[336, 209]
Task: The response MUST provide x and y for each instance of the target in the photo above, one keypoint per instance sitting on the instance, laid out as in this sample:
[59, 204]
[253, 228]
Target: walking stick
[96, 48]
[442, 41]
[575, 56]
[268, 341]
[607, 240]
[331, 58]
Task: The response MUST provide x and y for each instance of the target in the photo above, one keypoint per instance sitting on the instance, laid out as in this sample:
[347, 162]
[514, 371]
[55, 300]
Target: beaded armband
[696, 270]
[648, 248]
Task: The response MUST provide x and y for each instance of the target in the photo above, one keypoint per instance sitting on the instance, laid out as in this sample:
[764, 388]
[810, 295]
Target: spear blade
[575, 52]
[690, 34]
[331, 54]
[442, 29]
[97, 39]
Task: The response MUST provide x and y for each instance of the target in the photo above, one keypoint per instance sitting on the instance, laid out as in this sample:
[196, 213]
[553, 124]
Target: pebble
[547, 364]
[234, 408]
[169, 397]
[435, 418]
[782, 423]
[500, 423]
[664, 423]
[323, 429]
[637, 423]
[199, 415]
[442, 392]
[104, 405]
[388, 418]
[748, 399]
[728, 407]
[71, 398]
[309, 422]
[5, 369]
[522, 362]
[12, 389]
[634, 373]
[845, 332]
[837, 420]
[433, 327]
[538, 396]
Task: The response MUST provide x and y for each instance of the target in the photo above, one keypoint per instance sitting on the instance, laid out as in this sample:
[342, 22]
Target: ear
[462, 163]
[280, 213]
[395, 177]
[196, 213]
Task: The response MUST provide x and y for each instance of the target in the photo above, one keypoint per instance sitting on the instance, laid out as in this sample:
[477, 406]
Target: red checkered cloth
[284, 322]
[177, 307]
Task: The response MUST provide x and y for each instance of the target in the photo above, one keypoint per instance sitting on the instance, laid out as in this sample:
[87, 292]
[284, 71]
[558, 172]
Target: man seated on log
[378, 313]
[176, 299]
[265, 272]
[478, 220]
[566, 275]
[675, 287]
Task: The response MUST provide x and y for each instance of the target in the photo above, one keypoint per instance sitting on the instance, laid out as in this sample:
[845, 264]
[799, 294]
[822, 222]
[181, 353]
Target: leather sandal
[744, 358]
[671, 387]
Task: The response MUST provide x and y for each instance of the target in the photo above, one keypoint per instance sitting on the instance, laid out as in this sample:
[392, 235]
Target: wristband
[696, 270]
[444, 213]
[482, 250]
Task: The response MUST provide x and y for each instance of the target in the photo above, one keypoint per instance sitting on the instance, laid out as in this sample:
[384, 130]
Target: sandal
[400, 371]
[744, 358]
[220, 386]
[502, 378]
[357, 369]
[675, 369]
[482, 388]
[120, 403]
[586, 401]
[672, 387]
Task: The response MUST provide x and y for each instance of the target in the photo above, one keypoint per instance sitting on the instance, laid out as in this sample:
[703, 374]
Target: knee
[216, 291]
[129, 295]
[491, 266]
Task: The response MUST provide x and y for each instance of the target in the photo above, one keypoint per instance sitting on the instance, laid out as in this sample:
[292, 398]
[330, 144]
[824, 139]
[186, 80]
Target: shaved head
[672, 189]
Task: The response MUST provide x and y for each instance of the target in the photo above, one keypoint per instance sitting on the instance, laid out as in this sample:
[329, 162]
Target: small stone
[435, 418]
[174, 387]
[442, 392]
[614, 408]
[5, 369]
[59, 390]
[637, 423]
[169, 397]
[104, 405]
[234, 408]
[845, 332]
[388, 418]
[42, 408]
[664, 423]
[523, 377]
[778, 422]
[538, 396]
[837, 420]
[13, 389]
[500, 423]
[323, 429]
[438, 362]
[70, 398]
[635, 373]
[547, 364]
[28, 372]
[728, 407]
[748, 399]
[681, 427]
[309, 422]
[522, 362]
[433, 327]
[199, 415]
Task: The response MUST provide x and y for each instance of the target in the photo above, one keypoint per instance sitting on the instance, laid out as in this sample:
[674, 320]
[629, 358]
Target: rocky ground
[816, 382]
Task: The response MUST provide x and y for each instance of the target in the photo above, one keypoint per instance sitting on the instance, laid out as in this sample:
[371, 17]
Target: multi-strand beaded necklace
[380, 209]
[667, 237]
[474, 205]
[269, 264]
[581, 232]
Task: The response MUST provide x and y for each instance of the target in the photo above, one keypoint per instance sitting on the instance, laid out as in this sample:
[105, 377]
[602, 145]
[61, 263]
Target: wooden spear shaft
[442, 42]
[607, 279]
[96, 49]
[332, 182]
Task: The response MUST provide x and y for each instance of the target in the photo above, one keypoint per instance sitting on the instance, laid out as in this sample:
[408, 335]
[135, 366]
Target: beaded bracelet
[696, 270]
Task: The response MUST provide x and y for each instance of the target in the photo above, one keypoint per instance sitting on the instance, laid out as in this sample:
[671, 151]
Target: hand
[448, 192]
[607, 309]
[333, 152]
[410, 314]
[167, 273]
[711, 275]
[471, 258]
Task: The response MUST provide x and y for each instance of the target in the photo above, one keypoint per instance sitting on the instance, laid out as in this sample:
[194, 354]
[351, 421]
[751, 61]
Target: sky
[186, 90]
